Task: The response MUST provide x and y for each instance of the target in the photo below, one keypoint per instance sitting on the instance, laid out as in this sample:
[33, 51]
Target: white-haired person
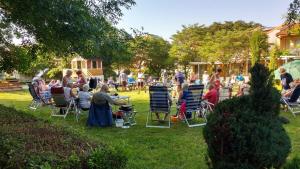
[85, 97]
[100, 113]
[67, 78]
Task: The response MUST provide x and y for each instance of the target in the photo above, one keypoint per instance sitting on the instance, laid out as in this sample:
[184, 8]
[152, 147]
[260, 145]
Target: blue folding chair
[159, 104]
[37, 101]
[194, 105]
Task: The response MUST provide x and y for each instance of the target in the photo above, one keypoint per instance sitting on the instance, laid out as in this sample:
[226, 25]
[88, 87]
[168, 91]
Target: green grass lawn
[177, 148]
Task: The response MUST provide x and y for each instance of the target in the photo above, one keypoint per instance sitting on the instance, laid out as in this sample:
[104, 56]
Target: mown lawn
[177, 148]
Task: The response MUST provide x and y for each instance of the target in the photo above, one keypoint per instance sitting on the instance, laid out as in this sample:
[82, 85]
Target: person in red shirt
[212, 95]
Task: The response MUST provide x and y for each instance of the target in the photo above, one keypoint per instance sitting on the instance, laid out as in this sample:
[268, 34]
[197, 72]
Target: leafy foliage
[151, 52]
[275, 53]
[62, 27]
[27, 142]
[293, 15]
[245, 132]
[217, 42]
[258, 46]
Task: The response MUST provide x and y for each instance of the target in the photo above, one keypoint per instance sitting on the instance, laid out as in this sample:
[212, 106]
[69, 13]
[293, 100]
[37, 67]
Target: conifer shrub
[246, 132]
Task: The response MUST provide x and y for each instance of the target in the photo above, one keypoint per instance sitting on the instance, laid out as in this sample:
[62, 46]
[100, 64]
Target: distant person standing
[164, 77]
[141, 80]
[193, 77]
[179, 78]
[286, 79]
[123, 80]
[205, 79]
[215, 79]
[80, 80]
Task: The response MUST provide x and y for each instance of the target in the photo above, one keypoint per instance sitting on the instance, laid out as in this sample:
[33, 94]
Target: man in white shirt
[123, 80]
[141, 79]
[205, 78]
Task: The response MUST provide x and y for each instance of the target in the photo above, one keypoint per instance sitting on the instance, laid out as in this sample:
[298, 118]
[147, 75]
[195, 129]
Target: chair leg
[157, 126]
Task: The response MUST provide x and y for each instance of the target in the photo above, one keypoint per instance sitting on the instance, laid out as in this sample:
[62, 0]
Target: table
[120, 98]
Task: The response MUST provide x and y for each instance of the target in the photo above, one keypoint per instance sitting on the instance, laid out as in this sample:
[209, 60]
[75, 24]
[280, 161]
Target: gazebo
[90, 67]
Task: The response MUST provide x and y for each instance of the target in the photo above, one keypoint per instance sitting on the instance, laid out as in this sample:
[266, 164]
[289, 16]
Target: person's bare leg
[157, 116]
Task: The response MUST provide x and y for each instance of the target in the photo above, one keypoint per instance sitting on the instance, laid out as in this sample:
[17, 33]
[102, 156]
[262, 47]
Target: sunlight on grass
[178, 147]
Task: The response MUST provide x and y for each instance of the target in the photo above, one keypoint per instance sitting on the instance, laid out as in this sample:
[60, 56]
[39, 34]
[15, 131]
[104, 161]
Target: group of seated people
[289, 85]
[79, 91]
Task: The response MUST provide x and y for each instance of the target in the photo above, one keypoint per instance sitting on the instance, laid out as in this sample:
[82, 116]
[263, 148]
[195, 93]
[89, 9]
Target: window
[78, 64]
[94, 64]
[297, 43]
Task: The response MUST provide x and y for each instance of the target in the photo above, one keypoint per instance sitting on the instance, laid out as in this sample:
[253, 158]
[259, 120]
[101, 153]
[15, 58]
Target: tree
[274, 55]
[62, 26]
[293, 15]
[151, 51]
[246, 132]
[258, 46]
[185, 44]
[217, 42]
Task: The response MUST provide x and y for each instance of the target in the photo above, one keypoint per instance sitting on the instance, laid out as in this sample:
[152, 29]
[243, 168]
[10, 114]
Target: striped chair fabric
[194, 97]
[159, 101]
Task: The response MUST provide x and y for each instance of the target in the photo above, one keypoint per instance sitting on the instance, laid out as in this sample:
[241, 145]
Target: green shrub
[294, 164]
[246, 132]
[26, 142]
[107, 158]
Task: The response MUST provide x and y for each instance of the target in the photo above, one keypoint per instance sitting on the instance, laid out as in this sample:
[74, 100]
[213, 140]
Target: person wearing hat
[286, 79]
[85, 97]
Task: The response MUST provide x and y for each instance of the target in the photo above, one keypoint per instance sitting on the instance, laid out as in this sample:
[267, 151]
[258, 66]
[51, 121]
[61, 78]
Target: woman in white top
[141, 78]
[205, 78]
[69, 95]
[85, 97]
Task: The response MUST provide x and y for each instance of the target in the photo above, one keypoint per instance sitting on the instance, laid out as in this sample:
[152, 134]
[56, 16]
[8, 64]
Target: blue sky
[165, 17]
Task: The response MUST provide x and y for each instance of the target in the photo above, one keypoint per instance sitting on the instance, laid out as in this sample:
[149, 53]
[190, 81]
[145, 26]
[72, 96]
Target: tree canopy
[217, 42]
[258, 46]
[62, 26]
[151, 52]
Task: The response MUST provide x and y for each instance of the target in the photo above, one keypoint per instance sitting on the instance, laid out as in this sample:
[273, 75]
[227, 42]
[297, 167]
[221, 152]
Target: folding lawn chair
[79, 109]
[292, 103]
[194, 106]
[61, 104]
[159, 103]
[224, 94]
[128, 114]
[37, 101]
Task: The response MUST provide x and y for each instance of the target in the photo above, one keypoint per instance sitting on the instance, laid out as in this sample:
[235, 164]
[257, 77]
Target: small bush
[26, 142]
[246, 132]
[107, 158]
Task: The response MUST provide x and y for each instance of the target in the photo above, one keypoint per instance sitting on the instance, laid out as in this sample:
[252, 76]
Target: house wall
[289, 42]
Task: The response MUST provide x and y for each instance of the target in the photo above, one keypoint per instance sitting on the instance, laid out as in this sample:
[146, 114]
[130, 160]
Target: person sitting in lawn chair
[84, 97]
[41, 89]
[291, 99]
[293, 85]
[212, 95]
[182, 100]
[100, 113]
